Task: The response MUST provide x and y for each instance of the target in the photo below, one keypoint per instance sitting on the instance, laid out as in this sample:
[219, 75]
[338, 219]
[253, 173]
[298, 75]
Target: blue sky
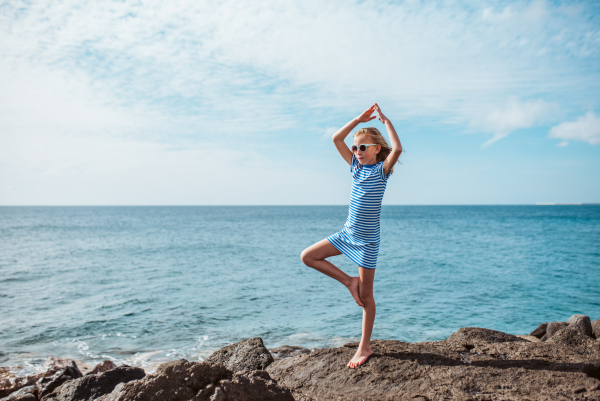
[234, 102]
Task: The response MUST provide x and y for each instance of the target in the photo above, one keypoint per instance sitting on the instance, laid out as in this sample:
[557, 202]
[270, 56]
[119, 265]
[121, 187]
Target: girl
[371, 163]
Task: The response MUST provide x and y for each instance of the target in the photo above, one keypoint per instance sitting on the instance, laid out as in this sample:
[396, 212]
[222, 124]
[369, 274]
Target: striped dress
[359, 239]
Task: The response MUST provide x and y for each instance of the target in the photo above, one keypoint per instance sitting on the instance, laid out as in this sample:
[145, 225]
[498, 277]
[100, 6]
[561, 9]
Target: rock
[581, 323]
[182, 380]
[175, 380]
[48, 370]
[102, 367]
[250, 354]
[250, 385]
[470, 336]
[471, 364]
[27, 393]
[571, 337]
[596, 328]
[552, 328]
[539, 331]
[47, 385]
[91, 387]
[287, 351]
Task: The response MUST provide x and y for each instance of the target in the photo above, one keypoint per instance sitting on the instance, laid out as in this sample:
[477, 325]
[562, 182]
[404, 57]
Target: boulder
[571, 337]
[175, 380]
[539, 331]
[47, 385]
[552, 328]
[91, 387]
[471, 364]
[102, 367]
[250, 385]
[249, 354]
[182, 380]
[582, 324]
[596, 328]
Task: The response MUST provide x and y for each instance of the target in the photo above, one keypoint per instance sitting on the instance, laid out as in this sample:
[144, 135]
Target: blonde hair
[377, 138]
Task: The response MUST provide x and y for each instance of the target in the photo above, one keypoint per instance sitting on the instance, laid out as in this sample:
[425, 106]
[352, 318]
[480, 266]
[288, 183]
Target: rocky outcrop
[472, 364]
[93, 386]
[250, 354]
[183, 380]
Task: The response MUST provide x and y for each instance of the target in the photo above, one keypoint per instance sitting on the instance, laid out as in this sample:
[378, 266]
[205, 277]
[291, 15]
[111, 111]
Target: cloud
[515, 115]
[562, 144]
[586, 128]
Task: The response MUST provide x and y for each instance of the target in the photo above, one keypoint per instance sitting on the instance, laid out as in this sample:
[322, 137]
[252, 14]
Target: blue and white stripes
[359, 239]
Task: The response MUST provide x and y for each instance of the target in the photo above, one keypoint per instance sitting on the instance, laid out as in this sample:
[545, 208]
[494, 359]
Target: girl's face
[369, 156]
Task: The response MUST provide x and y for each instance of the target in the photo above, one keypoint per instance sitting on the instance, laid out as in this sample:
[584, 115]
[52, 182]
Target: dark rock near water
[182, 380]
[102, 367]
[573, 338]
[582, 324]
[249, 385]
[552, 328]
[472, 364]
[596, 329]
[47, 385]
[540, 331]
[91, 387]
[250, 354]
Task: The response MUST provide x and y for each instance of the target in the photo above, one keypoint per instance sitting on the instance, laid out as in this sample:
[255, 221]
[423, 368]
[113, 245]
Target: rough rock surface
[596, 328]
[581, 323]
[47, 385]
[91, 387]
[250, 385]
[250, 354]
[472, 364]
[552, 328]
[182, 380]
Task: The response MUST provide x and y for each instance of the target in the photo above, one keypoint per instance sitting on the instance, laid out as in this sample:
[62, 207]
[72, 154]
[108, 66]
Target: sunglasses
[362, 147]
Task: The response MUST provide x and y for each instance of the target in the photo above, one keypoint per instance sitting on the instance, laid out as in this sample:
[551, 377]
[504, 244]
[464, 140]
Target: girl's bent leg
[314, 256]
[366, 294]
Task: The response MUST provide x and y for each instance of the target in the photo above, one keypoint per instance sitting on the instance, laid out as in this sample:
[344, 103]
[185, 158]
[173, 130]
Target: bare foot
[359, 358]
[353, 287]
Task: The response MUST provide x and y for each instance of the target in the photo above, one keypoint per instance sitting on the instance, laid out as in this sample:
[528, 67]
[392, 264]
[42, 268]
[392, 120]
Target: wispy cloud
[586, 128]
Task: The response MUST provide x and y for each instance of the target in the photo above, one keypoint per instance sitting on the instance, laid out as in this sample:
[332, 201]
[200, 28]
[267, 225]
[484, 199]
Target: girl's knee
[305, 256]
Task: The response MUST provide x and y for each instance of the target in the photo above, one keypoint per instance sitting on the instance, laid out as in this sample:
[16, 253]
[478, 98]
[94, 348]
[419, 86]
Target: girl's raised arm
[394, 141]
[338, 137]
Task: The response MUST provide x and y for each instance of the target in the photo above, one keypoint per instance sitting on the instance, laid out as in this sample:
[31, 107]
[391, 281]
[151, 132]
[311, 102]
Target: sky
[235, 102]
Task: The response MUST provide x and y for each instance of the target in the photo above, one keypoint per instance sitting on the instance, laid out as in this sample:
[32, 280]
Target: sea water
[145, 285]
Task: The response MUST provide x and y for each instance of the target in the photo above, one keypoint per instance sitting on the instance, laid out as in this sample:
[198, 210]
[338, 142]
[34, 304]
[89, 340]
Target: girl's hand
[380, 115]
[366, 116]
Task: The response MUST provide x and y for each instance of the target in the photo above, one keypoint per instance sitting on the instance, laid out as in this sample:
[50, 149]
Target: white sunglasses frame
[365, 144]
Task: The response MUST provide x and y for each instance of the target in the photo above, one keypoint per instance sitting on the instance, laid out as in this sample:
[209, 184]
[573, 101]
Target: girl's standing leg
[366, 295]
[314, 256]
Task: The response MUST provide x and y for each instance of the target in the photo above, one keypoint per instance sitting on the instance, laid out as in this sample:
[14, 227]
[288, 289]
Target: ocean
[146, 285]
